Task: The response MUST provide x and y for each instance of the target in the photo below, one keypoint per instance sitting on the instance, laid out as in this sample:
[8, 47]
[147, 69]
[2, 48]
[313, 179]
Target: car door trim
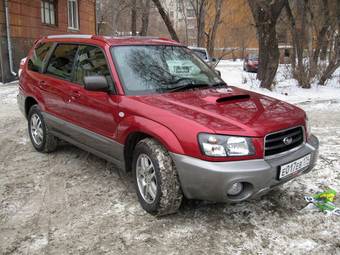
[87, 140]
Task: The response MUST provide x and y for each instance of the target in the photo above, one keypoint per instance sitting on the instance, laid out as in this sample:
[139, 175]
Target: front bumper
[210, 181]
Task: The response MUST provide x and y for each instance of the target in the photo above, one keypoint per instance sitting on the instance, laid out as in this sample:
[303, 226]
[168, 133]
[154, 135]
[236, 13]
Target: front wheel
[156, 180]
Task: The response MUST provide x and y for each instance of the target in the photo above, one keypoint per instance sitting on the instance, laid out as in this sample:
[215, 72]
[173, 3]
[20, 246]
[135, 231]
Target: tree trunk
[133, 17]
[166, 20]
[265, 14]
[320, 42]
[145, 17]
[183, 9]
[327, 74]
[334, 63]
[268, 54]
[298, 35]
[213, 30]
[201, 23]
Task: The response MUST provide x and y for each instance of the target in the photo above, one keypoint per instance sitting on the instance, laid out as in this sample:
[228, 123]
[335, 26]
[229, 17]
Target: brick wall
[26, 27]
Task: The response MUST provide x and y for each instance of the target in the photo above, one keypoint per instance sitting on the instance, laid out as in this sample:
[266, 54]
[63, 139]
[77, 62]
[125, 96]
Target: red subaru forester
[151, 106]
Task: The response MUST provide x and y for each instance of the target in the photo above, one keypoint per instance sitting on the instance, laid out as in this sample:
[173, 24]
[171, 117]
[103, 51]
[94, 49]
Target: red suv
[151, 106]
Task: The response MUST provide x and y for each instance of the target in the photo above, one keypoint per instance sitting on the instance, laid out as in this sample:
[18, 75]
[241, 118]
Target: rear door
[55, 85]
[34, 76]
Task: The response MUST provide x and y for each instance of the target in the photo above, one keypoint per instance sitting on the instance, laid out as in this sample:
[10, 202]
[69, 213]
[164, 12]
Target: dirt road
[71, 202]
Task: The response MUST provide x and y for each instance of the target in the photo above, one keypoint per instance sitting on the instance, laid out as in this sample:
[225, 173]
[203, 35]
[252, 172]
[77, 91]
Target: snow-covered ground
[286, 88]
[71, 202]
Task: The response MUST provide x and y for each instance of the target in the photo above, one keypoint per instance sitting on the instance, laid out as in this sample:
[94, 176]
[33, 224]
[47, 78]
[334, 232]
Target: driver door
[95, 114]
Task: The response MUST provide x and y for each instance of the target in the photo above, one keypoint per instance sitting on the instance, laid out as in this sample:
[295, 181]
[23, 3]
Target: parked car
[251, 63]
[152, 107]
[203, 54]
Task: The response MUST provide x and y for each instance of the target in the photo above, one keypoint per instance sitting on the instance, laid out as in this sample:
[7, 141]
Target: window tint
[36, 61]
[91, 61]
[61, 61]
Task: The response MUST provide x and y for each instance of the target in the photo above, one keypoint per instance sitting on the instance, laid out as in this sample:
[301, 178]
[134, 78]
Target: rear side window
[35, 62]
[91, 61]
[61, 61]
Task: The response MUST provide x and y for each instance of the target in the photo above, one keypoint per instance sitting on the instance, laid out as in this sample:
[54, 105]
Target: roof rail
[70, 36]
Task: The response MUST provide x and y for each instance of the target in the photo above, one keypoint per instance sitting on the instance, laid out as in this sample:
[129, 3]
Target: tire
[163, 178]
[42, 140]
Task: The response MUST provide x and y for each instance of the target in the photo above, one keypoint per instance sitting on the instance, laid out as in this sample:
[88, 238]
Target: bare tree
[185, 18]
[265, 15]
[146, 4]
[313, 24]
[298, 41]
[200, 8]
[166, 20]
[213, 29]
[334, 59]
[321, 36]
[134, 17]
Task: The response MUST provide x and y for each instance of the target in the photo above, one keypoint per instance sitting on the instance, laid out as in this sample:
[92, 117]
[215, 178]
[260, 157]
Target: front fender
[161, 133]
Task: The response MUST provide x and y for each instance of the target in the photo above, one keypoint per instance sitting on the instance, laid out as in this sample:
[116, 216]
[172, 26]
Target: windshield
[253, 57]
[161, 68]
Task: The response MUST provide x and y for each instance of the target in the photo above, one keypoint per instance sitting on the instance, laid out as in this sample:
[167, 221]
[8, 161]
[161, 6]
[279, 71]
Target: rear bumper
[21, 101]
[210, 181]
[252, 68]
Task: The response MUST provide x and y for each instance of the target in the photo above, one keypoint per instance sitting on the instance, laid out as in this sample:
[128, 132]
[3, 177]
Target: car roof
[112, 40]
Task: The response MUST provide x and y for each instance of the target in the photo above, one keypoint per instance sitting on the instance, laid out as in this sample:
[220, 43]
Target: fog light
[235, 189]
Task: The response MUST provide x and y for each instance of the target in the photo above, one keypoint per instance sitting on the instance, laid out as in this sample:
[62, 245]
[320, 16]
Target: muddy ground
[71, 202]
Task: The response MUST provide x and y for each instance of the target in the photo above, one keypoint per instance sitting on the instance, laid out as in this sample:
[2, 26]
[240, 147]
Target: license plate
[294, 167]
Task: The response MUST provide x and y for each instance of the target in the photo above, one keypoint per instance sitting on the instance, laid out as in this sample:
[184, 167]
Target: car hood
[227, 110]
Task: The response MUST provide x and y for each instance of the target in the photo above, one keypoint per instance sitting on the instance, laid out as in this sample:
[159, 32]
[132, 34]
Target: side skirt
[87, 140]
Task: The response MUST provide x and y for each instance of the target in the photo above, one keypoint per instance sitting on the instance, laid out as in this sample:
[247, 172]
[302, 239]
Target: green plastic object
[325, 201]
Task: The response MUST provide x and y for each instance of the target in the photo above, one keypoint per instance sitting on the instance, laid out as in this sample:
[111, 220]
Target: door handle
[75, 94]
[41, 84]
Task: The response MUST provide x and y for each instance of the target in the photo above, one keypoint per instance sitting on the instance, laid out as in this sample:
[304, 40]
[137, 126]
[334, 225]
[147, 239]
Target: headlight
[222, 146]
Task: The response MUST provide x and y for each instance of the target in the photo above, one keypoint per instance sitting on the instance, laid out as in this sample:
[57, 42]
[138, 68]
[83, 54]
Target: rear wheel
[156, 180]
[41, 138]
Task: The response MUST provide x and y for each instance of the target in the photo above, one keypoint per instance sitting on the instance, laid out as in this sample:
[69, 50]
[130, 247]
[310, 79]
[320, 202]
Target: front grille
[274, 143]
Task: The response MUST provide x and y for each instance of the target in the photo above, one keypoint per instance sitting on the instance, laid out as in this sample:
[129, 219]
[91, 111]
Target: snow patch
[39, 243]
[286, 88]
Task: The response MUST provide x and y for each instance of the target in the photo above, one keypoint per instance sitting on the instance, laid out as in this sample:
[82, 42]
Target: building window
[73, 17]
[48, 12]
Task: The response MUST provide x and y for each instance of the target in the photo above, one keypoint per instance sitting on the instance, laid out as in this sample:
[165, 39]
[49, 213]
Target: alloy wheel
[146, 178]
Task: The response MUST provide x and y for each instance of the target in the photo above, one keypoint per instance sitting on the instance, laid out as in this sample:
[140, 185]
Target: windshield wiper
[219, 84]
[179, 80]
[187, 86]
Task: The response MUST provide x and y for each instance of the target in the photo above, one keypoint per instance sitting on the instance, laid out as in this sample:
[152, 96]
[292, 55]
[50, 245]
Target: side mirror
[96, 83]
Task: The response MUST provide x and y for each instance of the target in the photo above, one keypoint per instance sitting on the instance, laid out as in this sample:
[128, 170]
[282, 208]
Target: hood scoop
[232, 98]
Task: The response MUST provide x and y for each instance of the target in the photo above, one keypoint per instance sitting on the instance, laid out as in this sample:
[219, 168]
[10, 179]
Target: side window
[35, 62]
[61, 61]
[91, 61]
